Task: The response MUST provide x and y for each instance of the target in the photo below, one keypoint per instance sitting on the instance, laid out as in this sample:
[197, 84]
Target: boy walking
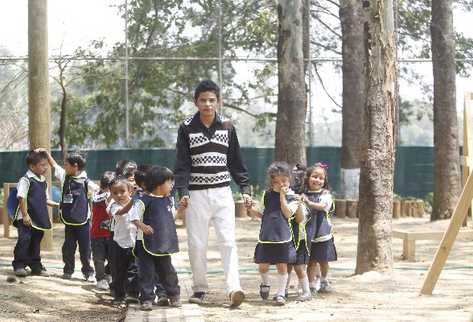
[31, 217]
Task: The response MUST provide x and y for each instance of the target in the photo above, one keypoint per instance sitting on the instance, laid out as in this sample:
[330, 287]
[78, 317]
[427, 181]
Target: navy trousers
[73, 236]
[149, 267]
[27, 248]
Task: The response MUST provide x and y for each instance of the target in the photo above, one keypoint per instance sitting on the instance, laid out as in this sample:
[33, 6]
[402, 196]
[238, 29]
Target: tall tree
[377, 156]
[290, 123]
[38, 86]
[351, 18]
[446, 152]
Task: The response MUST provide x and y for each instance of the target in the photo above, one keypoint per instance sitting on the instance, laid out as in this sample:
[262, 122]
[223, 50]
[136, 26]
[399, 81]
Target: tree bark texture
[38, 87]
[351, 18]
[447, 186]
[377, 152]
[290, 123]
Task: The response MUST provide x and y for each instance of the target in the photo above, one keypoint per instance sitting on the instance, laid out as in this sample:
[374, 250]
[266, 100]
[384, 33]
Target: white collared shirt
[23, 187]
[124, 231]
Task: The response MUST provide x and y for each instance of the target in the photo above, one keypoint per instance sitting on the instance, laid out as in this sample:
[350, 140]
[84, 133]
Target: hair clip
[322, 165]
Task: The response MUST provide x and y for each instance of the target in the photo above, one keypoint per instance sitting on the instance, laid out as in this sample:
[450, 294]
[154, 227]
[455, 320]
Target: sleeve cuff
[245, 190]
[181, 192]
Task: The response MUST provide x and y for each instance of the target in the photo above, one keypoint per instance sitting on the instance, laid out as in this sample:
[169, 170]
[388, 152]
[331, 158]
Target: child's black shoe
[264, 291]
[197, 298]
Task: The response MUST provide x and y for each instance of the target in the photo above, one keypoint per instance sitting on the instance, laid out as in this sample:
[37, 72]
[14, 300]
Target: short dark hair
[157, 176]
[106, 179]
[33, 157]
[126, 168]
[277, 168]
[140, 174]
[76, 158]
[119, 180]
[206, 86]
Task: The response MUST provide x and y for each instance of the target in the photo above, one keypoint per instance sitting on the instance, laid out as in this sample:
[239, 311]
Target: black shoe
[264, 291]
[40, 272]
[197, 298]
[162, 301]
[175, 302]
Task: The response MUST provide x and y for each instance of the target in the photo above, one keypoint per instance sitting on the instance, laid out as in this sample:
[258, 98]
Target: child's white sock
[288, 281]
[282, 281]
[323, 278]
[304, 285]
[313, 284]
[265, 278]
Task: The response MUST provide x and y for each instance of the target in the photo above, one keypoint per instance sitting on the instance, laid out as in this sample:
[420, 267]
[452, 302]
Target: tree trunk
[377, 151]
[290, 123]
[446, 152]
[38, 87]
[351, 18]
[62, 120]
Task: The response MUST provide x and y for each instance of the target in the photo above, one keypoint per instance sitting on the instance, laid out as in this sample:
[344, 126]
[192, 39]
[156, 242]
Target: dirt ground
[372, 296]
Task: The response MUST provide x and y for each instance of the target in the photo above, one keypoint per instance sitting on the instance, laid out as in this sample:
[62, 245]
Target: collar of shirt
[31, 174]
[156, 196]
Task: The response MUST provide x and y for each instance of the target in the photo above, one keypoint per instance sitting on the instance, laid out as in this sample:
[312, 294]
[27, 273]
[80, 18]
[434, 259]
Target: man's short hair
[206, 86]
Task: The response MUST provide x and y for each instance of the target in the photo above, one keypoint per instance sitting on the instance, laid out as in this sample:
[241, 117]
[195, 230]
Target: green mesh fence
[413, 176]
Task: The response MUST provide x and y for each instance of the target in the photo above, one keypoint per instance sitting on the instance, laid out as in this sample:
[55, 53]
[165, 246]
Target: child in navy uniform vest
[157, 238]
[75, 212]
[31, 216]
[319, 201]
[275, 238]
[100, 232]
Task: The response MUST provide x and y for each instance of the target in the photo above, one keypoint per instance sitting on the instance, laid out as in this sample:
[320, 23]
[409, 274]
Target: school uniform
[75, 214]
[299, 242]
[319, 228]
[124, 238]
[275, 237]
[100, 235]
[34, 190]
[154, 251]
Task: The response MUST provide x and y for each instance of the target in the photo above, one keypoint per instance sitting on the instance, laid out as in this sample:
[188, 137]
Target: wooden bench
[409, 239]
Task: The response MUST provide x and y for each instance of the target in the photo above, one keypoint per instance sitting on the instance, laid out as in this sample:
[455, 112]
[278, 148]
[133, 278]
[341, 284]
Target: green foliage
[161, 93]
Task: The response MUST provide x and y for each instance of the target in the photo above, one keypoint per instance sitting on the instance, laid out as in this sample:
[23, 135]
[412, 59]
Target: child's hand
[38, 150]
[284, 190]
[147, 230]
[27, 220]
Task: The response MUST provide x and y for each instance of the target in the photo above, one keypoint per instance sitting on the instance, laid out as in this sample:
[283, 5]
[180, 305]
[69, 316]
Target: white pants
[212, 206]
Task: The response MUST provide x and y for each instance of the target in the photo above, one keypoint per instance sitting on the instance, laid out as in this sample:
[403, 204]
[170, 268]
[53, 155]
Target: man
[208, 154]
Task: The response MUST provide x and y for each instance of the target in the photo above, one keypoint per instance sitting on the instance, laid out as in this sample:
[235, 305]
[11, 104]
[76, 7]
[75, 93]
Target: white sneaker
[102, 284]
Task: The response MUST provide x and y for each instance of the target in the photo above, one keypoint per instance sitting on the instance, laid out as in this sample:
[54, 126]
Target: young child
[157, 238]
[123, 238]
[31, 217]
[275, 238]
[319, 201]
[140, 177]
[100, 231]
[75, 212]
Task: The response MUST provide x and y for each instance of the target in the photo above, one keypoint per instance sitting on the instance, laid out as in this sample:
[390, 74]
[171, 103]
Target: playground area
[371, 296]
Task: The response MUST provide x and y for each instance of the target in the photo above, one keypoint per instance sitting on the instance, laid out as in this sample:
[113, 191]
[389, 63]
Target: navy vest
[75, 213]
[318, 224]
[158, 215]
[37, 204]
[275, 228]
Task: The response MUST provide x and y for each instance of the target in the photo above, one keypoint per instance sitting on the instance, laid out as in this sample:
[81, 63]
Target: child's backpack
[12, 204]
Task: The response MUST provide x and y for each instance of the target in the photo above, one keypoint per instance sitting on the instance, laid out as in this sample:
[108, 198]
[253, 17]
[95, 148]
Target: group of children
[296, 232]
[132, 232]
[130, 229]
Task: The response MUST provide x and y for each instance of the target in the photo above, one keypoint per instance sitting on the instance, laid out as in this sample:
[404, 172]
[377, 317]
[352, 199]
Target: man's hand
[248, 201]
[184, 202]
